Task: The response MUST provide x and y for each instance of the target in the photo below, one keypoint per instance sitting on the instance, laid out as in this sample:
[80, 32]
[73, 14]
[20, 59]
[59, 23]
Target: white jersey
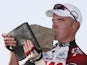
[56, 56]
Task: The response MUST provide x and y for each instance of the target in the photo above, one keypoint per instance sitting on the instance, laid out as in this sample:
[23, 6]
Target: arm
[13, 59]
[32, 54]
[9, 41]
[28, 48]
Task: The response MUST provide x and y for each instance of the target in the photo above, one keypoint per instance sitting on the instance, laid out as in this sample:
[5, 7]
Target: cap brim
[50, 13]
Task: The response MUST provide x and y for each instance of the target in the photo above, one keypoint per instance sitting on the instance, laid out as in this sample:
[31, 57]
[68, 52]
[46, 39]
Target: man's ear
[76, 25]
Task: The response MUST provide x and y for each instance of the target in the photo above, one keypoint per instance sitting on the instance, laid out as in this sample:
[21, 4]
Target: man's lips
[55, 30]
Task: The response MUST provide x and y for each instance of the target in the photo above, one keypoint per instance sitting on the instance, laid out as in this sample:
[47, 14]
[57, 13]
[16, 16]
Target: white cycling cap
[65, 9]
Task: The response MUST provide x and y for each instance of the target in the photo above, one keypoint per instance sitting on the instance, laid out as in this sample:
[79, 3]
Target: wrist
[39, 57]
[35, 56]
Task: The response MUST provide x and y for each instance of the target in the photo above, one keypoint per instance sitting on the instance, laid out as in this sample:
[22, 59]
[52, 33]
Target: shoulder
[77, 56]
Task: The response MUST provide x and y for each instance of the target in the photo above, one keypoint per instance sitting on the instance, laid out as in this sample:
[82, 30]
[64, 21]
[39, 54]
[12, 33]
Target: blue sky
[15, 12]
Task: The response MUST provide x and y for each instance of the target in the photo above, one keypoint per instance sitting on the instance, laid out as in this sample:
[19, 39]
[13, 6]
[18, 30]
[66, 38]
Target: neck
[67, 39]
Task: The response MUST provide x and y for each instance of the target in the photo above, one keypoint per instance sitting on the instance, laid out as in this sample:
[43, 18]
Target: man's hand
[30, 52]
[8, 40]
[28, 47]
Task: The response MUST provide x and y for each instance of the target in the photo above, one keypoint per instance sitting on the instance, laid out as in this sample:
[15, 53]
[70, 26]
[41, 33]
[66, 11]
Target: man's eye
[60, 19]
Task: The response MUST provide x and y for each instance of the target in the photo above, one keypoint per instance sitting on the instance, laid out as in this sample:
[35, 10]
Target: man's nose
[54, 25]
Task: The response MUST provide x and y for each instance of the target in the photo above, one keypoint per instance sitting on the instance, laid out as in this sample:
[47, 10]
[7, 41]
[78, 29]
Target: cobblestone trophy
[41, 36]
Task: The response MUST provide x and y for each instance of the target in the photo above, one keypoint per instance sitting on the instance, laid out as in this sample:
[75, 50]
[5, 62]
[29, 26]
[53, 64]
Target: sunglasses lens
[59, 6]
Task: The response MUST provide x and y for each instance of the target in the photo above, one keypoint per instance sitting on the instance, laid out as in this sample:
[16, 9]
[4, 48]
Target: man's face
[62, 26]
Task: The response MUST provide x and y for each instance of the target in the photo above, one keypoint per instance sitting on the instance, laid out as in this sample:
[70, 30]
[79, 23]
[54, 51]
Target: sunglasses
[62, 7]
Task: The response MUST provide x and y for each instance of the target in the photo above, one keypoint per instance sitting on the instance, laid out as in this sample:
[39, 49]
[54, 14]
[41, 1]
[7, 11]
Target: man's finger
[10, 39]
[10, 44]
[26, 51]
[31, 45]
[6, 35]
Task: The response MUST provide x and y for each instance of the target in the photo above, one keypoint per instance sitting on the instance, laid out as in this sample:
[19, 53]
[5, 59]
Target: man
[66, 20]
